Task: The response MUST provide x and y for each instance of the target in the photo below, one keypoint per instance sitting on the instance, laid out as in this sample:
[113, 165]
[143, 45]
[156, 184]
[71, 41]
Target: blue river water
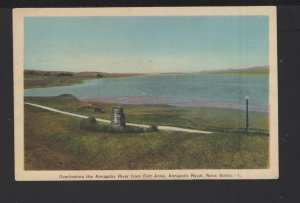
[226, 88]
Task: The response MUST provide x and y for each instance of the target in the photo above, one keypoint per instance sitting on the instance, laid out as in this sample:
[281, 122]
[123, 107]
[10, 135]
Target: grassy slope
[42, 79]
[56, 142]
[263, 70]
[38, 81]
[195, 118]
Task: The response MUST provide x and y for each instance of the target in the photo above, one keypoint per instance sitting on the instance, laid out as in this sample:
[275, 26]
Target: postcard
[160, 93]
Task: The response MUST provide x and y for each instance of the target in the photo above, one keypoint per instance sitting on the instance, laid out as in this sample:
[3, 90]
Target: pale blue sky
[145, 44]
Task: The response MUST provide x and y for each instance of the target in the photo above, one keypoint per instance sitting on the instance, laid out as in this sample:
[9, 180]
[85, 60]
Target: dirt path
[167, 128]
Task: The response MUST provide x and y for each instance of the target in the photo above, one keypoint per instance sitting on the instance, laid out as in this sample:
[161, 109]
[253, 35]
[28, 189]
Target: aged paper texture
[145, 93]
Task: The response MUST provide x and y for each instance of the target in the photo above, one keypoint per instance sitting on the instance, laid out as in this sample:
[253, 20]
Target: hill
[39, 78]
[251, 70]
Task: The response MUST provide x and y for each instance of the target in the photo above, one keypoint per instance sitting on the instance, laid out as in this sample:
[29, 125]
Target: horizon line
[175, 72]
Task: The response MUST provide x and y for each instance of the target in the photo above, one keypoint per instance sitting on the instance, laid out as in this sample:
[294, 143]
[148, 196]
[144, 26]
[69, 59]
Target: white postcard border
[185, 174]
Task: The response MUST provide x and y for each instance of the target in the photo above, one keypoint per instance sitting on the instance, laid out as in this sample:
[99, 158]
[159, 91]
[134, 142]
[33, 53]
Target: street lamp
[247, 116]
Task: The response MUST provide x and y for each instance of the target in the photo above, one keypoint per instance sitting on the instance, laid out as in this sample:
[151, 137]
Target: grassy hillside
[56, 142]
[260, 70]
[38, 79]
[215, 119]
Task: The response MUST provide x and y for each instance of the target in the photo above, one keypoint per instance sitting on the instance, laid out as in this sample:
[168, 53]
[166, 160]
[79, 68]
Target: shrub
[92, 120]
[153, 128]
[89, 124]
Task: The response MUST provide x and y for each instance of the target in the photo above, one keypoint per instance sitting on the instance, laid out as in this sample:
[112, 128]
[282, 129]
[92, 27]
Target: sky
[145, 44]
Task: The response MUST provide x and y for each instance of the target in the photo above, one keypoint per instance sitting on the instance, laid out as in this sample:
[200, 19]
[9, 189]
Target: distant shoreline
[43, 79]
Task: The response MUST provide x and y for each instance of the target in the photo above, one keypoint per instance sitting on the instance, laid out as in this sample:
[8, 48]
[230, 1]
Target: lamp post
[247, 116]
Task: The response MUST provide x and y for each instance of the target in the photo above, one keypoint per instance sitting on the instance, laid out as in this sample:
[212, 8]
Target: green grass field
[215, 119]
[56, 142]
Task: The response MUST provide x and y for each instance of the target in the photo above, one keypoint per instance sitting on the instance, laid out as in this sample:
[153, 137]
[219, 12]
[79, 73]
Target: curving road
[167, 128]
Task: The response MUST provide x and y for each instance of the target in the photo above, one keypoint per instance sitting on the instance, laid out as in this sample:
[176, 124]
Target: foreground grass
[215, 119]
[56, 142]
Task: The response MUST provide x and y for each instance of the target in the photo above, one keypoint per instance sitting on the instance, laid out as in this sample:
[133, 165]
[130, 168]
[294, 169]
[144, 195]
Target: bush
[153, 128]
[92, 120]
[89, 124]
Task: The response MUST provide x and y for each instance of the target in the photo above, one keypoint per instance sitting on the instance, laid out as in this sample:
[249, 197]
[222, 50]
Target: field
[57, 142]
[215, 119]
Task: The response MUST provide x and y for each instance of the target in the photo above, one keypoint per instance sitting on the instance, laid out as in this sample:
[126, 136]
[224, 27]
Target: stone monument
[118, 117]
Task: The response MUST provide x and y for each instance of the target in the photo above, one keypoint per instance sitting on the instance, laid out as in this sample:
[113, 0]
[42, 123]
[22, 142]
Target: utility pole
[247, 116]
